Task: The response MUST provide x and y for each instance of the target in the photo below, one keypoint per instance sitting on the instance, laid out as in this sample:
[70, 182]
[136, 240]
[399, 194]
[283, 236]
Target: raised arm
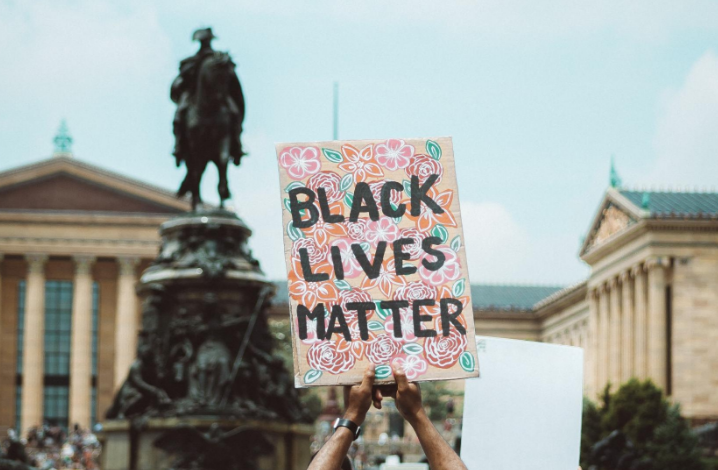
[408, 401]
[357, 400]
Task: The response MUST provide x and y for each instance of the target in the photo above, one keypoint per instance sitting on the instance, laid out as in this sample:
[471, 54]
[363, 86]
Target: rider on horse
[185, 85]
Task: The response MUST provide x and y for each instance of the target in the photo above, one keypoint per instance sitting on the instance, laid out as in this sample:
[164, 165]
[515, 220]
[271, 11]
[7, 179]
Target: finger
[376, 397]
[400, 376]
[368, 381]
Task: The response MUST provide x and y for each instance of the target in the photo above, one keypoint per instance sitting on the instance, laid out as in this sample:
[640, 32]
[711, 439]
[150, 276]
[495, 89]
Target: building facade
[74, 239]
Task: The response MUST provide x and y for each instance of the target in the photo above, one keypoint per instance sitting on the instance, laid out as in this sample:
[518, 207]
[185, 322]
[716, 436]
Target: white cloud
[497, 247]
[686, 141]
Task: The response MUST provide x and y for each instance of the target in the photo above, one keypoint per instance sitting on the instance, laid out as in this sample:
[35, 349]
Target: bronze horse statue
[209, 119]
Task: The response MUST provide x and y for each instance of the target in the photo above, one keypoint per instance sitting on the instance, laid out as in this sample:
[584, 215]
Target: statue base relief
[290, 442]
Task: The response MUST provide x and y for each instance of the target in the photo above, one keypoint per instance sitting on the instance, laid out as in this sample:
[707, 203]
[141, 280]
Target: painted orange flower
[322, 232]
[427, 218]
[387, 279]
[310, 294]
[360, 164]
[356, 346]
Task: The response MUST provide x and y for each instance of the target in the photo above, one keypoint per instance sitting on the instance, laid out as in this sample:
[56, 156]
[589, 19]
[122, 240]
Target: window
[19, 348]
[58, 338]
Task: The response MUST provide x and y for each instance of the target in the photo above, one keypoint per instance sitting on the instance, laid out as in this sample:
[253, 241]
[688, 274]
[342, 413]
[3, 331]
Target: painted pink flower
[382, 349]
[318, 256]
[356, 230]
[324, 356]
[417, 290]
[312, 330]
[394, 154]
[330, 182]
[383, 230]
[444, 351]
[360, 164]
[354, 295]
[352, 268]
[449, 271]
[413, 366]
[414, 249]
[300, 162]
[424, 166]
[386, 280]
[356, 346]
[407, 326]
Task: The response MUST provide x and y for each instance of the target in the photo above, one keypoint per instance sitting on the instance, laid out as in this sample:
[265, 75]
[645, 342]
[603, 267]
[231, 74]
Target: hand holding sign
[377, 269]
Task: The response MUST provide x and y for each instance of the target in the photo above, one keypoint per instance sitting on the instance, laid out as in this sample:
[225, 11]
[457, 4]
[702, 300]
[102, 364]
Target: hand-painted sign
[376, 261]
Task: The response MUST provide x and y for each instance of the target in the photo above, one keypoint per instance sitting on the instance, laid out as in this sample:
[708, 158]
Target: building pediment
[65, 184]
[614, 217]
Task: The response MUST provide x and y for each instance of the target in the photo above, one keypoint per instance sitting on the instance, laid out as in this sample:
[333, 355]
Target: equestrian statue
[208, 121]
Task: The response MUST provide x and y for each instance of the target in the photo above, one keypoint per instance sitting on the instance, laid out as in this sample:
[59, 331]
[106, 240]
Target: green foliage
[641, 412]
[636, 409]
[674, 445]
[435, 397]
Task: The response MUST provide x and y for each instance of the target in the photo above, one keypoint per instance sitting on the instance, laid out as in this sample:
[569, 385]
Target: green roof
[509, 297]
[674, 204]
[483, 296]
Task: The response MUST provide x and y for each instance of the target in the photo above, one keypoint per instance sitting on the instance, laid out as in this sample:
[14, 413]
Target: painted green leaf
[456, 243]
[380, 311]
[312, 376]
[332, 155]
[365, 246]
[467, 361]
[382, 372]
[293, 232]
[397, 220]
[293, 185]
[286, 205]
[434, 149]
[412, 349]
[407, 187]
[459, 287]
[346, 182]
[348, 199]
[441, 232]
[375, 325]
[342, 284]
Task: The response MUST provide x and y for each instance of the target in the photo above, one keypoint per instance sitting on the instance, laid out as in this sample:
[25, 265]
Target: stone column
[657, 347]
[604, 338]
[1, 259]
[81, 352]
[33, 353]
[615, 332]
[126, 319]
[593, 342]
[627, 314]
[640, 324]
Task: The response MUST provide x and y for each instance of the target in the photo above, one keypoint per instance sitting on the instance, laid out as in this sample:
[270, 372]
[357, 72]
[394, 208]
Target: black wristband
[351, 425]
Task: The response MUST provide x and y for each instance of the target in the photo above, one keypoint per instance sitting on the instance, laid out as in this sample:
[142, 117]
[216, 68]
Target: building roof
[509, 297]
[484, 296]
[673, 204]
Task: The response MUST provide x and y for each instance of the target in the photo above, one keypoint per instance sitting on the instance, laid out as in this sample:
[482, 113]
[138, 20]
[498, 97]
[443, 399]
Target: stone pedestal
[291, 443]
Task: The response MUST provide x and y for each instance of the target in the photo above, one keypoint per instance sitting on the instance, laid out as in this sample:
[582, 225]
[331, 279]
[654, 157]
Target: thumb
[368, 381]
[400, 376]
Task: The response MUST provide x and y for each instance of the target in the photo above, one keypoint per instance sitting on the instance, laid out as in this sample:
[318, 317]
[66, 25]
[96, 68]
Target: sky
[536, 95]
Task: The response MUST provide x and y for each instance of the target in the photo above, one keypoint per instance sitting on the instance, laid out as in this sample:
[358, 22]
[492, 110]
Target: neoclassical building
[74, 239]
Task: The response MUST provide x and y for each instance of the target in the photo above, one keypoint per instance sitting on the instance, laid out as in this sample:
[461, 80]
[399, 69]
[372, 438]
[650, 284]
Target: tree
[656, 429]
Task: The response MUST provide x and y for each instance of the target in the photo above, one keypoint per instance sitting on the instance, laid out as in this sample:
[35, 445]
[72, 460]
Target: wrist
[417, 418]
[355, 417]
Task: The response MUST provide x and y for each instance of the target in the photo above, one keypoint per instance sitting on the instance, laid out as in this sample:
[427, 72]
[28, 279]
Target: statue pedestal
[291, 443]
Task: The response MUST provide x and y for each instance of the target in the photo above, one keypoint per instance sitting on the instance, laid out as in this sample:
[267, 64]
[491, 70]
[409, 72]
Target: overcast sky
[537, 96]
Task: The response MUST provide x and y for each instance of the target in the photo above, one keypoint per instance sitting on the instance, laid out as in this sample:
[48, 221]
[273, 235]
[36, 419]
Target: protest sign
[376, 261]
[525, 410]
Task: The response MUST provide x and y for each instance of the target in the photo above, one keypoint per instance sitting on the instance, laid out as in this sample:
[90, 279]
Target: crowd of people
[51, 447]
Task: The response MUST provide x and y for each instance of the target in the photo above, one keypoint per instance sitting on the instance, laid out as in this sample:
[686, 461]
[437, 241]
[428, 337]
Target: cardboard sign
[375, 255]
[525, 410]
